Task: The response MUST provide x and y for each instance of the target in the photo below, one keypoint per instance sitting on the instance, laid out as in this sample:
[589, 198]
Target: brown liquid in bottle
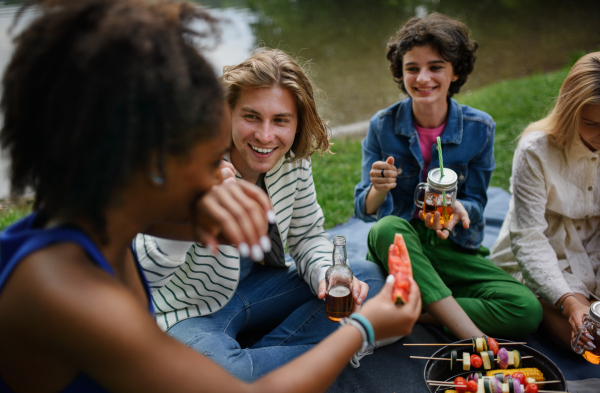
[338, 303]
[593, 356]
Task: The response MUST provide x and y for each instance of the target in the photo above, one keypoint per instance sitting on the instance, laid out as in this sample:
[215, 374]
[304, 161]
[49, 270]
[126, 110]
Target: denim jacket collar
[454, 126]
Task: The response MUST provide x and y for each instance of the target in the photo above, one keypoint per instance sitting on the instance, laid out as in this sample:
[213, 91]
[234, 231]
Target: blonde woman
[551, 236]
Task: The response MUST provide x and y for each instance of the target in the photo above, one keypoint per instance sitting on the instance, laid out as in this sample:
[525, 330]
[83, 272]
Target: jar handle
[576, 348]
[418, 202]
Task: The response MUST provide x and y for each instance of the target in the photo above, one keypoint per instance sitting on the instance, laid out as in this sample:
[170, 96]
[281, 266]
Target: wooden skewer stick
[452, 383]
[459, 345]
[458, 360]
[539, 391]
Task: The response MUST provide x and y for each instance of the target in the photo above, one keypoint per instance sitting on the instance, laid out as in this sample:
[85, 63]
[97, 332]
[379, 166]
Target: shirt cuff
[554, 290]
[173, 249]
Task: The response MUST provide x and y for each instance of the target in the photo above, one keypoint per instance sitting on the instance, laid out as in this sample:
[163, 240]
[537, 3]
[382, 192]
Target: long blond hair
[273, 67]
[581, 87]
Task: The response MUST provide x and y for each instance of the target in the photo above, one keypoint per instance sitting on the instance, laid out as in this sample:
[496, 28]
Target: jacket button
[590, 188]
[593, 158]
[461, 177]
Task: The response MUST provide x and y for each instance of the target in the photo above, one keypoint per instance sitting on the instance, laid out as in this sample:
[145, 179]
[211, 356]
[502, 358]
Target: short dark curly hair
[94, 88]
[448, 36]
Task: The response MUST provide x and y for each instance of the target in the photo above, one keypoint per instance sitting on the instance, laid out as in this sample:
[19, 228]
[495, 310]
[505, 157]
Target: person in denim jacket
[431, 58]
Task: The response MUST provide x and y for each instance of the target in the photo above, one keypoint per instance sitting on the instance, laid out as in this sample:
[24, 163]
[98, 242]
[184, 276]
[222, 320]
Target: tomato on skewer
[493, 345]
[460, 384]
[472, 386]
[476, 361]
[531, 388]
[521, 377]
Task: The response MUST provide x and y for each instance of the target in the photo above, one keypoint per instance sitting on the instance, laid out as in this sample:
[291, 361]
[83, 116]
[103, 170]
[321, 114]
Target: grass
[12, 211]
[513, 104]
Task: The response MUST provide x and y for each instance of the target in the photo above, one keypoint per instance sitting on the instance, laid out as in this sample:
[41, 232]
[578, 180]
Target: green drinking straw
[439, 149]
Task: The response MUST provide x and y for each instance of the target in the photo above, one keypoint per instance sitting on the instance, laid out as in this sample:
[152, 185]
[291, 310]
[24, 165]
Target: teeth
[261, 150]
[429, 89]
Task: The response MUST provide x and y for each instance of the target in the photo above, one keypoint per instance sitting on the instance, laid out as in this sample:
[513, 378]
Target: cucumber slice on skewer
[511, 386]
[480, 345]
[485, 342]
[517, 358]
[453, 358]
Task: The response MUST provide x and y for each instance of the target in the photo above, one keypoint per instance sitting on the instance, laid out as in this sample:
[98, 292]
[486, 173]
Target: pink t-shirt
[427, 138]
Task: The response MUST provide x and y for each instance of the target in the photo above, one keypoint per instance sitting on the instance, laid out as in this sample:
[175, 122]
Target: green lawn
[513, 104]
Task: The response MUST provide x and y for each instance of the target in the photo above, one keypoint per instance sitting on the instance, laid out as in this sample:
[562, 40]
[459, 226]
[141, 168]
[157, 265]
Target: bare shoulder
[58, 305]
[56, 294]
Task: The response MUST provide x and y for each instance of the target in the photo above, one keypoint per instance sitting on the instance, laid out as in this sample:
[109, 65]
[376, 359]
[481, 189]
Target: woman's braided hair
[93, 88]
[448, 36]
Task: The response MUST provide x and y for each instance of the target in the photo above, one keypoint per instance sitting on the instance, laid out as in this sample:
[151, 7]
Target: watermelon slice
[400, 267]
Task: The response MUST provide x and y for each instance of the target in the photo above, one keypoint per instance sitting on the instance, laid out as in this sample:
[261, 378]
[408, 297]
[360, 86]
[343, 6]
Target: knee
[225, 351]
[371, 274]
[367, 271]
[383, 232]
[390, 225]
[526, 313]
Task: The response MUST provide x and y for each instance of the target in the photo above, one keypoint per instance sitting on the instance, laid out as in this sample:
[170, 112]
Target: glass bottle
[339, 302]
[591, 323]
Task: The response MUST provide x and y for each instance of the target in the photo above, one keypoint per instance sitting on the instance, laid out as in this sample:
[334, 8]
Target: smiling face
[589, 126]
[263, 127]
[427, 76]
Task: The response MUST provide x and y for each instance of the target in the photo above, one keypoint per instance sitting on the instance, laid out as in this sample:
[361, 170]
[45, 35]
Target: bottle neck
[339, 255]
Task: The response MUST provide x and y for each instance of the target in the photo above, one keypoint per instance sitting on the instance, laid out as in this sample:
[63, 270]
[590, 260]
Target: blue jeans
[267, 299]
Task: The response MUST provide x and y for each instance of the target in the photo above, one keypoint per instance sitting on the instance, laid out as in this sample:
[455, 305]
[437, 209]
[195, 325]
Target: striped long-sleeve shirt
[188, 281]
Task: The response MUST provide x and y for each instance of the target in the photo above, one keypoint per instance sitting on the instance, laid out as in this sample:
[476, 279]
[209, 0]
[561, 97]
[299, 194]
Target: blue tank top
[22, 239]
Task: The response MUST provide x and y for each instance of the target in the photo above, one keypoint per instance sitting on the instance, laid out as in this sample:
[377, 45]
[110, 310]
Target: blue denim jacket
[468, 147]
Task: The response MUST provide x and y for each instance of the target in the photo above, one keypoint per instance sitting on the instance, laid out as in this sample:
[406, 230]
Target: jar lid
[443, 183]
[595, 312]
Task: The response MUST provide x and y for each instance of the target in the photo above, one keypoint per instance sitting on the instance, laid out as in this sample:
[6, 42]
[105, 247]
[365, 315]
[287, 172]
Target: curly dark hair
[93, 89]
[448, 36]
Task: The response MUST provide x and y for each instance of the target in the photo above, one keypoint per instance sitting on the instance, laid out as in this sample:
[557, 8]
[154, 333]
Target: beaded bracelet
[560, 308]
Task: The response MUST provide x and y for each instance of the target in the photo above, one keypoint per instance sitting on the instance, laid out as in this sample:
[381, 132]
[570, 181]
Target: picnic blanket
[390, 369]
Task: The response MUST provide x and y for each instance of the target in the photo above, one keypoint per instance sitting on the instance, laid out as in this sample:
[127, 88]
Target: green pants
[498, 304]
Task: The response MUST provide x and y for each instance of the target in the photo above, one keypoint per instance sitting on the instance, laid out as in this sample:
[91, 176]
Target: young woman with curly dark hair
[119, 125]
[430, 59]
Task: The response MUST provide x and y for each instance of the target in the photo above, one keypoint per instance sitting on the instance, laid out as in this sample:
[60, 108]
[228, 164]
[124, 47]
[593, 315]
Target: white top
[552, 230]
[188, 281]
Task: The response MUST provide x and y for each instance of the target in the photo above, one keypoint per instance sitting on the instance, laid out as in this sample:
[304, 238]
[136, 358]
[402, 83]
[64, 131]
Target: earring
[156, 179]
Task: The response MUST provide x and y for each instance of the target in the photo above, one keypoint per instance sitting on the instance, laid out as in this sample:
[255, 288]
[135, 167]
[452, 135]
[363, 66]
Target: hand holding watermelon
[389, 320]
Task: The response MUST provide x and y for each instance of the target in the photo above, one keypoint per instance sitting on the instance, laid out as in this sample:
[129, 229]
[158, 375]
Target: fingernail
[213, 249]
[589, 336]
[389, 279]
[257, 254]
[271, 217]
[244, 250]
[265, 243]
[590, 346]
[360, 300]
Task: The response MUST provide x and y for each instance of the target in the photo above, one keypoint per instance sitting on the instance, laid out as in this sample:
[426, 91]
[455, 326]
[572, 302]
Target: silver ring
[382, 175]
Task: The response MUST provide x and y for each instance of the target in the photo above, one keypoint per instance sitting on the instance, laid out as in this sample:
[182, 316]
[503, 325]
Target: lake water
[343, 42]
